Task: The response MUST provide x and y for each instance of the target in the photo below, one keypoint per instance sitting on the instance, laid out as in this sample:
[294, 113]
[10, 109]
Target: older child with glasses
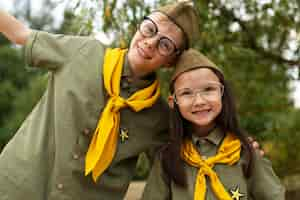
[208, 156]
[101, 109]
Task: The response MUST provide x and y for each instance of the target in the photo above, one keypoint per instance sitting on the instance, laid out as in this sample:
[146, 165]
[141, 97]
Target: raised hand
[13, 29]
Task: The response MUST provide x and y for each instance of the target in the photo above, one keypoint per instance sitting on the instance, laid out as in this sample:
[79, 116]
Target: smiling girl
[208, 155]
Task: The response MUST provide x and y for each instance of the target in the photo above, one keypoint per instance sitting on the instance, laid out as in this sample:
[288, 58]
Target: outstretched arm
[13, 29]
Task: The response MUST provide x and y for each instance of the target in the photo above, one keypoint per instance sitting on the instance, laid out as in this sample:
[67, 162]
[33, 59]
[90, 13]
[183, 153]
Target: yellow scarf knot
[117, 104]
[228, 153]
[104, 142]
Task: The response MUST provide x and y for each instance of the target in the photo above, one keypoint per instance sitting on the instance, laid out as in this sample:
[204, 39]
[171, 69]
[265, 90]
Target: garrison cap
[184, 15]
[192, 59]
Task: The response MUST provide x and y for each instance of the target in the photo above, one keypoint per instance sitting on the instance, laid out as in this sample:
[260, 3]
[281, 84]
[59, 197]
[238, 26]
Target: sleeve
[51, 51]
[157, 147]
[264, 184]
[157, 186]
[161, 136]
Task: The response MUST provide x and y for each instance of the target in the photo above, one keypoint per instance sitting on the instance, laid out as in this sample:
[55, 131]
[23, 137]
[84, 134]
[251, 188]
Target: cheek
[218, 106]
[135, 39]
[184, 112]
[161, 61]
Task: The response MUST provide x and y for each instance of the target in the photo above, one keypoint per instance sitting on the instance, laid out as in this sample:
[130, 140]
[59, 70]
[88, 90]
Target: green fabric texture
[262, 185]
[45, 159]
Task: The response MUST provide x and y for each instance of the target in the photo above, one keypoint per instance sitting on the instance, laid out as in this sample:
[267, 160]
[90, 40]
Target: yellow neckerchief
[228, 153]
[104, 142]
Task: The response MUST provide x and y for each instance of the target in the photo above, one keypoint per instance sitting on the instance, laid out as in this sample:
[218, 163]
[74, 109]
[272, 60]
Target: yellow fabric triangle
[104, 142]
[228, 153]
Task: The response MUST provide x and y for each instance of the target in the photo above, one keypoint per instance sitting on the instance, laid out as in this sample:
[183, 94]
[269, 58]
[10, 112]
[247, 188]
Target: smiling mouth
[142, 53]
[200, 112]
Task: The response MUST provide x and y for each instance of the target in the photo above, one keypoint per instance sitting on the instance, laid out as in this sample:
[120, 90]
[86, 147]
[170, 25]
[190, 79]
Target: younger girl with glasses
[208, 156]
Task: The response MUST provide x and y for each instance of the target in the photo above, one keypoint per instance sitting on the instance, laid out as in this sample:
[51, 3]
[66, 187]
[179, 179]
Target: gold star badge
[236, 194]
[124, 134]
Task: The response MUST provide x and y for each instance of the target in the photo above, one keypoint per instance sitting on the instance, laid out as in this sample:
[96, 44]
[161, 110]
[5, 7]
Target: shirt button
[86, 131]
[75, 156]
[60, 186]
[129, 80]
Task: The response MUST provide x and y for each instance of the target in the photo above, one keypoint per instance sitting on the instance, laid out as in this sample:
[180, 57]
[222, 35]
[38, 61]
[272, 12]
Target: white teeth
[200, 111]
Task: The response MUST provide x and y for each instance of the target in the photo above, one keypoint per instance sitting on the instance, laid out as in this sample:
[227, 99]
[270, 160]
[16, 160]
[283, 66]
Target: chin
[204, 123]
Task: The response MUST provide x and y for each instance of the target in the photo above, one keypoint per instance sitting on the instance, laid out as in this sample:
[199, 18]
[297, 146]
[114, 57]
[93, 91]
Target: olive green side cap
[184, 15]
[191, 59]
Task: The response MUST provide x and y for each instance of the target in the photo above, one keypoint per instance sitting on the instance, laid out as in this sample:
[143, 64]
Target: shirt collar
[215, 137]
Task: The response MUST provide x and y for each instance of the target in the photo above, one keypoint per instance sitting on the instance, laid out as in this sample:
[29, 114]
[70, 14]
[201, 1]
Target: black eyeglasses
[165, 46]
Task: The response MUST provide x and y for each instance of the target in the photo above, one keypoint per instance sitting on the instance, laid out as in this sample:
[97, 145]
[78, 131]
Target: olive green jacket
[45, 159]
[262, 185]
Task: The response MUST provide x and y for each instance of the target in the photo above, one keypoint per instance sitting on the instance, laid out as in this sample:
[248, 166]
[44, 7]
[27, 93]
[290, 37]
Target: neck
[203, 131]
[137, 73]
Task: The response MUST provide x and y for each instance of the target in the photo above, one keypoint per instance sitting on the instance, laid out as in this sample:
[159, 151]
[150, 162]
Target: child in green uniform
[208, 156]
[101, 109]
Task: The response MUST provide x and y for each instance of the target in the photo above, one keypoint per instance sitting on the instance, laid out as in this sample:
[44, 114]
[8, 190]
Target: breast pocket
[234, 181]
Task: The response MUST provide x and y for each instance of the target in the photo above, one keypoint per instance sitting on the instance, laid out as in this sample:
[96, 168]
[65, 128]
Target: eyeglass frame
[198, 92]
[176, 50]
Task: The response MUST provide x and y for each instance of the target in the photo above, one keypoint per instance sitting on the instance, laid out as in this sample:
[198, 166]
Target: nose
[199, 99]
[151, 42]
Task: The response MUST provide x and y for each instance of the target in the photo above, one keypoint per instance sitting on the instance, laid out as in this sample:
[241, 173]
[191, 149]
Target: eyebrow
[182, 89]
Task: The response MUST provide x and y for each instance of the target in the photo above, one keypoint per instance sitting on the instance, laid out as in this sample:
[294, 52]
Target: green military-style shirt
[262, 185]
[45, 160]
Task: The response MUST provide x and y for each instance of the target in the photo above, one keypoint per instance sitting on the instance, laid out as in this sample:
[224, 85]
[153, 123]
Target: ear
[171, 101]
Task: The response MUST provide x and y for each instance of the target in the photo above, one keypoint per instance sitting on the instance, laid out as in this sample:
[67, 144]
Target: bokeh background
[255, 42]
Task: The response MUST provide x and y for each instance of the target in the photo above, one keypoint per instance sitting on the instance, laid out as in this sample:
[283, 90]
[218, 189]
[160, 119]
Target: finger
[250, 139]
[262, 152]
[255, 145]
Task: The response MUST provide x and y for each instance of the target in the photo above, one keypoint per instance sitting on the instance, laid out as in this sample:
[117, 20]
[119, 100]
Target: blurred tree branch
[252, 42]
